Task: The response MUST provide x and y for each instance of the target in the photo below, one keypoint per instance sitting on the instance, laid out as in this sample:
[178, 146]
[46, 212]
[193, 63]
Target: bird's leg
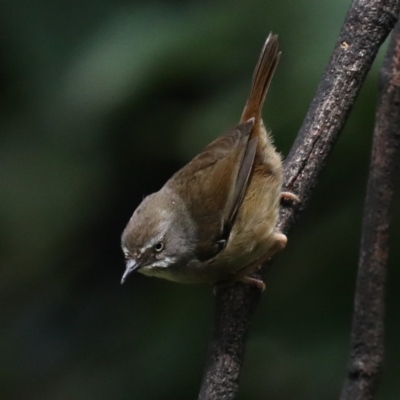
[280, 241]
[279, 244]
[248, 280]
[289, 197]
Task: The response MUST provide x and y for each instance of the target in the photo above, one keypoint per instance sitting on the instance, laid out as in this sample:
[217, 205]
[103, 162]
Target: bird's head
[158, 237]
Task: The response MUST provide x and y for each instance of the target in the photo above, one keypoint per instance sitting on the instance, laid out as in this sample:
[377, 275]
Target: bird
[215, 220]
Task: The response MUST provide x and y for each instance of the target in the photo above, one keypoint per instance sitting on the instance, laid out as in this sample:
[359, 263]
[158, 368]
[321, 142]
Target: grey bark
[367, 341]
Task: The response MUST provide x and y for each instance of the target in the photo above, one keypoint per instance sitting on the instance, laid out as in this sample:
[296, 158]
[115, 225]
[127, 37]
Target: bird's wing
[213, 186]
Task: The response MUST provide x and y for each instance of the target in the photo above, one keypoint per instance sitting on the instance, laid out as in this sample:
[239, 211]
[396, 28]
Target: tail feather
[262, 77]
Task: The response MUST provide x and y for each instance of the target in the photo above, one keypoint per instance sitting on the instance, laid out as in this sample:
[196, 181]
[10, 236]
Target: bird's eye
[158, 246]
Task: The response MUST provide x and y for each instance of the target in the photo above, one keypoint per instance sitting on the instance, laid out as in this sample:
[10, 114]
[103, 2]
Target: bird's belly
[169, 274]
[252, 236]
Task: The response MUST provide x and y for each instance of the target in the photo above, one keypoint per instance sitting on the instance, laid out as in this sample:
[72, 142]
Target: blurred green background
[100, 102]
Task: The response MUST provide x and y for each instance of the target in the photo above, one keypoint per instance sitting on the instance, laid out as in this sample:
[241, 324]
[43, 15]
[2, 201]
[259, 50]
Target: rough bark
[367, 24]
[367, 344]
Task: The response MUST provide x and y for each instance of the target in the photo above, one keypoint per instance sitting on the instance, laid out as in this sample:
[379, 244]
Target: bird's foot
[248, 280]
[290, 198]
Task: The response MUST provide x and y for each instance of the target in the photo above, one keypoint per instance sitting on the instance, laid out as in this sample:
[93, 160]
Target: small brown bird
[215, 219]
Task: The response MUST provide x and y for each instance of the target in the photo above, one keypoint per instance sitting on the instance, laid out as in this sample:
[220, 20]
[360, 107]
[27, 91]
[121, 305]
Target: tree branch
[367, 24]
[367, 344]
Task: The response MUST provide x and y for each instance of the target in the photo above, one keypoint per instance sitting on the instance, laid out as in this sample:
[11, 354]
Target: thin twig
[367, 344]
[367, 24]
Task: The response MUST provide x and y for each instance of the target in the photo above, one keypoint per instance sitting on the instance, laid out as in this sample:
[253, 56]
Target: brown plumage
[215, 219]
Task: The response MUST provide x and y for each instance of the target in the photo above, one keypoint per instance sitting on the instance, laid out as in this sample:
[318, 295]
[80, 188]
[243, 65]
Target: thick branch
[367, 344]
[367, 24]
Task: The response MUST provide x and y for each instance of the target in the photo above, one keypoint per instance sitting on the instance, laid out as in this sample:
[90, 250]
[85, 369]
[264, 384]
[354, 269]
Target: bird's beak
[131, 265]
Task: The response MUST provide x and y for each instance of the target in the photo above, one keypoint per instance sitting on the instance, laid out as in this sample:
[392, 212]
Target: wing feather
[214, 185]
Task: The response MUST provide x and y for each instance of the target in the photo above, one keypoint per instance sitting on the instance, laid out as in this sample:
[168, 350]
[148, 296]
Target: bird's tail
[262, 77]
